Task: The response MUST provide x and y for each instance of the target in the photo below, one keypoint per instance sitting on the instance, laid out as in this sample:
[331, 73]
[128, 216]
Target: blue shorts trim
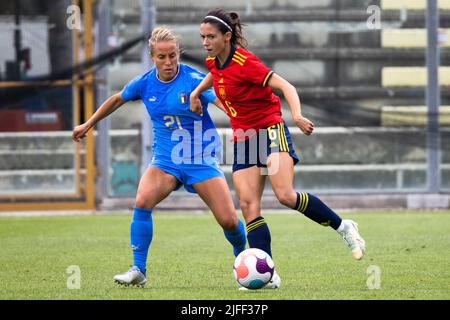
[189, 174]
[254, 151]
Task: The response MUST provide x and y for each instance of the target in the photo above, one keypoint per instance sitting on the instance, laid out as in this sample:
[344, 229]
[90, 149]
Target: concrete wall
[337, 160]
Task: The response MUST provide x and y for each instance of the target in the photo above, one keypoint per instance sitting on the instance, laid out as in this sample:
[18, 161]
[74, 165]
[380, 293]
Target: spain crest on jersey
[222, 92]
[182, 97]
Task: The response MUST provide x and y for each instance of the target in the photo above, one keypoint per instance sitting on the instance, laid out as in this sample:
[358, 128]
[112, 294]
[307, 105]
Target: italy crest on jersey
[182, 97]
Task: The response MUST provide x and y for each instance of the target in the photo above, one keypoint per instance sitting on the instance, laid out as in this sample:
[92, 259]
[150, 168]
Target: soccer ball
[253, 268]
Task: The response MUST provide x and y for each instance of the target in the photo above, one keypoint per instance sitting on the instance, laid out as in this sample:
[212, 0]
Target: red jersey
[241, 86]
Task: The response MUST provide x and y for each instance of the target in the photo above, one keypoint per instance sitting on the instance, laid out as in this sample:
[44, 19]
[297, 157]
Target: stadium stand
[353, 81]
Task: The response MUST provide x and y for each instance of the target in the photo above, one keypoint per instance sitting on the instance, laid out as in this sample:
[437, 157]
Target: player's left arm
[293, 100]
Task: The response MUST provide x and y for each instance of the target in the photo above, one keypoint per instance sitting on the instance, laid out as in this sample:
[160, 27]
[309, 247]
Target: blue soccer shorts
[189, 174]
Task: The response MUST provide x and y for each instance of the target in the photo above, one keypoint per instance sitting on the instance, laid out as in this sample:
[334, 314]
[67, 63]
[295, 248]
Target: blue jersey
[176, 130]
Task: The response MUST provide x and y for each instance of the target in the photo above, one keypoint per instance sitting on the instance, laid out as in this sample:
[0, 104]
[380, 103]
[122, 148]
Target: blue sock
[316, 210]
[141, 234]
[258, 235]
[237, 238]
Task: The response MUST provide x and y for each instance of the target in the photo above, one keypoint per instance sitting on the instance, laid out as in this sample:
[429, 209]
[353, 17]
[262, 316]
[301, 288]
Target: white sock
[341, 227]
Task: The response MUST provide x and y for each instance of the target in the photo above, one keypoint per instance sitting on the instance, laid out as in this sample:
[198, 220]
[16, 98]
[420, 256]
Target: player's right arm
[194, 100]
[219, 105]
[109, 106]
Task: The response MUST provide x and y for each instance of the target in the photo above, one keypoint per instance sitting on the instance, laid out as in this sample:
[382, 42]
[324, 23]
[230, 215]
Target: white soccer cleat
[353, 239]
[133, 277]
[274, 283]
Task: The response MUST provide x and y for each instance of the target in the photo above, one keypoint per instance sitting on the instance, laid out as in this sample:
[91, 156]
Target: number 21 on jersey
[172, 119]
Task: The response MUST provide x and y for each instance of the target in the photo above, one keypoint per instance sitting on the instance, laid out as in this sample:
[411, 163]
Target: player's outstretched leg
[141, 234]
[310, 205]
[313, 208]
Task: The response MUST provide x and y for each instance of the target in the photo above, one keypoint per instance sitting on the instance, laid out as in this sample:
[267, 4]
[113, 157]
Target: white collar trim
[157, 77]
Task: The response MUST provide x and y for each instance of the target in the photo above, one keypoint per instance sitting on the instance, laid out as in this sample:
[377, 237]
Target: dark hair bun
[234, 16]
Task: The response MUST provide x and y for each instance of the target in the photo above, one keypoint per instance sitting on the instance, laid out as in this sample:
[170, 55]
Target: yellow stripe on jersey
[240, 55]
[267, 78]
[210, 58]
[239, 58]
[238, 61]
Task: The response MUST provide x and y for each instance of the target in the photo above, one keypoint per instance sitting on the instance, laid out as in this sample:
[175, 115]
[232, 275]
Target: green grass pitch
[408, 257]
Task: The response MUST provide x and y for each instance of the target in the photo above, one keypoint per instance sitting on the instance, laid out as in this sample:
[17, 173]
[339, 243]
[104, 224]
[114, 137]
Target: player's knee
[141, 201]
[250, 209]
[246, 205]
[229, 224]
[286, 198]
